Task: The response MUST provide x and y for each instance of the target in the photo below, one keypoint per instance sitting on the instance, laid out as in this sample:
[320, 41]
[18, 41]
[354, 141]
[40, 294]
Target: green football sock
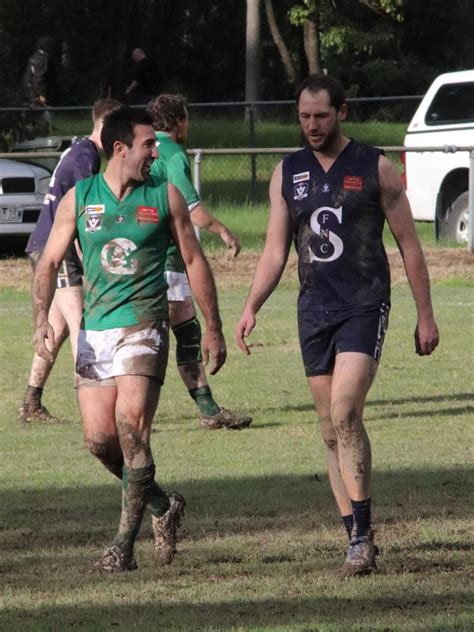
[136, 484]
[204, 400]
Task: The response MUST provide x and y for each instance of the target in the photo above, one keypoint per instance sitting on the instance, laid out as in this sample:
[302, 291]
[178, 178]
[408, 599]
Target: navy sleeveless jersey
[81, 160]
[338, 224]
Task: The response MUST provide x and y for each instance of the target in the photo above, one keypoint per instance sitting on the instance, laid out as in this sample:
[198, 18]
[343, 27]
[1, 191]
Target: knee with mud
[134, 444]
[346, 420]
[188, 342]
[109, 453]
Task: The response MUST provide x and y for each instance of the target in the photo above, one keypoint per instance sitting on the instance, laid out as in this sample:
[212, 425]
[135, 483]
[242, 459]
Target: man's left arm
[200, 278]
[397, 211]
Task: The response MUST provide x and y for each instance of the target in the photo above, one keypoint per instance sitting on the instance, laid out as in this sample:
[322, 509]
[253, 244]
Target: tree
[307, 16]
[252, 51]
[280, 42]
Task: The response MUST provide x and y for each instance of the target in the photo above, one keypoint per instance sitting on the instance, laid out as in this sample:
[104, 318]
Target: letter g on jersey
[331, 245]
[117, 256]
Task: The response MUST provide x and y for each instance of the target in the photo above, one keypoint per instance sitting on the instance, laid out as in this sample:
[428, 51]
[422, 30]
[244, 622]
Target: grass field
[263, 544]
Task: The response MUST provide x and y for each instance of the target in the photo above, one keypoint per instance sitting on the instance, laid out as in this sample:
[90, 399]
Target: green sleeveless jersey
[173, 164]
[124, 244]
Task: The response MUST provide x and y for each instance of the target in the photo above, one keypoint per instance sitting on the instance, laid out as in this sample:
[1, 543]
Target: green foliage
[391, 8]
[301, 13]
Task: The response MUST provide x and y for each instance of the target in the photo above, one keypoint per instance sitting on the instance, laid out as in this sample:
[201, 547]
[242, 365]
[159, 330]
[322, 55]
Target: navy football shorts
[323, 334]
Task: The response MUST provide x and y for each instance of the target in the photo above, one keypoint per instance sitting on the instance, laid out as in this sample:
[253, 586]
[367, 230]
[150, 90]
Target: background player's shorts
[323, 334]
[178, 286]
[70, 271]
[138, 350]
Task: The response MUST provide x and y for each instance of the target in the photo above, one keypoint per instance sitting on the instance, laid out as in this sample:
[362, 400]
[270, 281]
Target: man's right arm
[179, 174]
[272, 262]
[44, 280]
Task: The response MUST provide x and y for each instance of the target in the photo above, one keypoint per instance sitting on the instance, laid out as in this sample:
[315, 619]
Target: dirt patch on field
[443, 263]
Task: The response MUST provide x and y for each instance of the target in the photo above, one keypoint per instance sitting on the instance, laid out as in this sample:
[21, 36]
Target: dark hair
[102, 107]
[167, 110]
[316, 82]
[120, 125]
[46, 43]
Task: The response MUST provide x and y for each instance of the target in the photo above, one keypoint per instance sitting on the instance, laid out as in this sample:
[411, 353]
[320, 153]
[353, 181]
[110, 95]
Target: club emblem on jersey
[94, 209]
[326, 188]
[120, 219]
[300, 177]
[353, 183]
[301, 191]
[117, 256]
[93, 223]
[147, 214]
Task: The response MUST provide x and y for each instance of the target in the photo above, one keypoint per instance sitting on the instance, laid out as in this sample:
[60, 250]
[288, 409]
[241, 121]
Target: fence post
[197, 180]
[252, 114]
[470, 239]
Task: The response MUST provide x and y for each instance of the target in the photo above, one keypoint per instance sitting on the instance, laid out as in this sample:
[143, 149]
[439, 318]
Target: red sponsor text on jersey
[353, 183]
[147, 214]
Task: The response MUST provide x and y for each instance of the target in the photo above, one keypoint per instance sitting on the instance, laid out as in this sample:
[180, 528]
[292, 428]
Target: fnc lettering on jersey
[331, 245]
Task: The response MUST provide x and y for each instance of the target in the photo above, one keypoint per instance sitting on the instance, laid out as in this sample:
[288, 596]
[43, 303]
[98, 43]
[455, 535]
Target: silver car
[22, 189]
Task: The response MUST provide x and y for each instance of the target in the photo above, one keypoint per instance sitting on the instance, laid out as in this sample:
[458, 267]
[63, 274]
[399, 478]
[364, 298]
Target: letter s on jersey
[318, 218]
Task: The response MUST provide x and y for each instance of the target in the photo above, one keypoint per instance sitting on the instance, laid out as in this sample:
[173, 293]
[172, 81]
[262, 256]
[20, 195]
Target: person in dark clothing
[333, 198]
[39, 83]
[79, 161]
[39, 86]
[145, 84]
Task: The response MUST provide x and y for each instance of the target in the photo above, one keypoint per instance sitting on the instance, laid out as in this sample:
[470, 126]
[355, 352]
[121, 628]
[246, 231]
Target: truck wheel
[456, 225]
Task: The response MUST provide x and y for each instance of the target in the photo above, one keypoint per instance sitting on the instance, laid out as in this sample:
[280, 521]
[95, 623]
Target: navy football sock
[361, 513]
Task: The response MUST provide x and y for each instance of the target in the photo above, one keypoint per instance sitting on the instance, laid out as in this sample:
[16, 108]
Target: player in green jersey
[170, 119]
[125, 221]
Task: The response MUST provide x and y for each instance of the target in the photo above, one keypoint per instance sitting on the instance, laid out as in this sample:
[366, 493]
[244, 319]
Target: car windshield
[453, 103]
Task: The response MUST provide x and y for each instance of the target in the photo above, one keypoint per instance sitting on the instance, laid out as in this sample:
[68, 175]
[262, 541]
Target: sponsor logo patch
[147, 214]
[300, 191]
[94, 209]
[353, 183]
[93, 223]
[300, 177]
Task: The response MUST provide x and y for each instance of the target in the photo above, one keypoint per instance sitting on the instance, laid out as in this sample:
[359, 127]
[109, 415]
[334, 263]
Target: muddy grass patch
[443, 264]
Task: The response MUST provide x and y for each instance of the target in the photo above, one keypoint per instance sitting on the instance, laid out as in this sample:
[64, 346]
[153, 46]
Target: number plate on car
[11, 215]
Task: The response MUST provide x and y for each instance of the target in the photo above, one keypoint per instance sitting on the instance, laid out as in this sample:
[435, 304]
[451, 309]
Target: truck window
[453, 103]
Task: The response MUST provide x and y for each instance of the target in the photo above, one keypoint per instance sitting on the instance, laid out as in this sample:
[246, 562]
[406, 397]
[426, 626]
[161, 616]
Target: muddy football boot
[225, 419]
[114, 560]
[165, 529]
[30, 414]
[360, 557]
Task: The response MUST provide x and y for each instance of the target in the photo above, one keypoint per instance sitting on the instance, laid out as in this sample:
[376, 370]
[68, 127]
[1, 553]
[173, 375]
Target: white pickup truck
[437, 183]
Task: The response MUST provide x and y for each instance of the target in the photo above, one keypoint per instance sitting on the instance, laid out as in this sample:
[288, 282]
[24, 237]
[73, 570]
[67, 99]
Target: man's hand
[244, 328]
[44, 342]
[231, 241]
[213, 344]
[426, 336]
